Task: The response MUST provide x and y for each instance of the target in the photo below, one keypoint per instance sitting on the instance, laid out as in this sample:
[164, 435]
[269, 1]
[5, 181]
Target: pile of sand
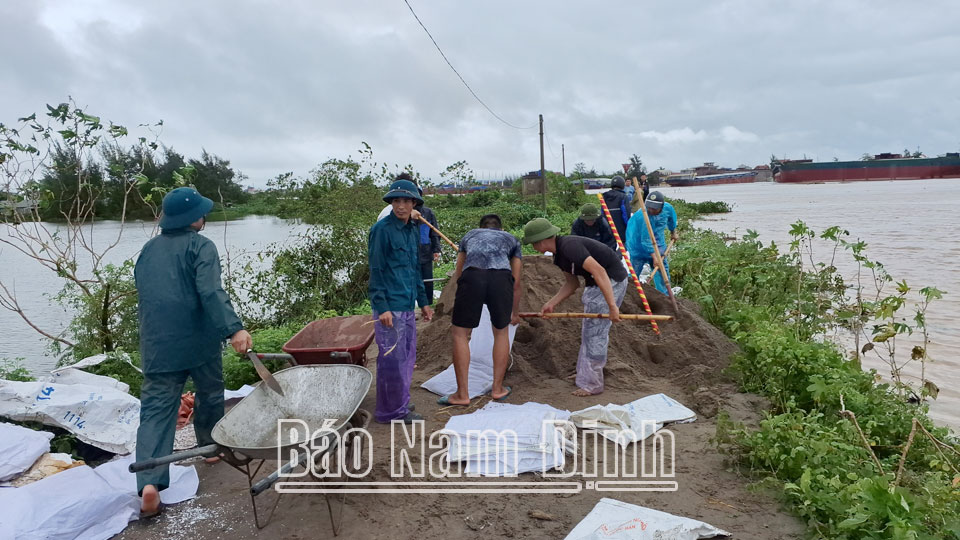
[689, 352]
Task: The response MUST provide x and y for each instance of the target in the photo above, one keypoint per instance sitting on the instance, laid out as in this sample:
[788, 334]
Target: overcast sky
[277, 86]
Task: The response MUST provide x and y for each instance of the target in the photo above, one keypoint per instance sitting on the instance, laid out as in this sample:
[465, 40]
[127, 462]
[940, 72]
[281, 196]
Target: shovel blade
[264, 373]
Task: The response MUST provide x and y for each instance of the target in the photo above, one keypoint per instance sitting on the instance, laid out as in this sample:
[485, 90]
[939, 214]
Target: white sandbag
[480, 376]
[239, 393]
[74, 373]
[617, 520]
[635, 421]
[184, 480]
[103, 417]
[525, 443]
[98, 359]
[71, 375]
[20, 447]
[74, 504]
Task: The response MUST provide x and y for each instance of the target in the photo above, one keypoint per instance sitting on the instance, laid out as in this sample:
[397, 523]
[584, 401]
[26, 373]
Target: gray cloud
[282, 86]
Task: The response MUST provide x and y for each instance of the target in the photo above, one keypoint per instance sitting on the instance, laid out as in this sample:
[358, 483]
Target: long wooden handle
[626, 316]
[626, 259]
[454, 246]
[655, 270]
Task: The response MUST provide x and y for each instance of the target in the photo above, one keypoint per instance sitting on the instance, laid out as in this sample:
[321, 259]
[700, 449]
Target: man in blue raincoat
[662, 217]
[185, 315]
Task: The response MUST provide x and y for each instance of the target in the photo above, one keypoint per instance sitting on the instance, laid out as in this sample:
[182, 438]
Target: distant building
[21, 208]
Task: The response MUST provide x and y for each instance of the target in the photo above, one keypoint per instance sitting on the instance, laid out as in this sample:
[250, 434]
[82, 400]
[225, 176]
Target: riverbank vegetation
[855, 458]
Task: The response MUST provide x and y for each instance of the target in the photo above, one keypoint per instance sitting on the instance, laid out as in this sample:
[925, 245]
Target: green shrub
[777, 308]
[238, 370]
[13, 370]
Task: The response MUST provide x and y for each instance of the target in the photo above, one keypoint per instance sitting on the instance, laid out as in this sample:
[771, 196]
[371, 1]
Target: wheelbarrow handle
[265, 484]
[275, 356]
[206, 451]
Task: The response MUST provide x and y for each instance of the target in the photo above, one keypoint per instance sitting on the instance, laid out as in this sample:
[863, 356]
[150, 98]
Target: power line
[547, 137]
[495, 115]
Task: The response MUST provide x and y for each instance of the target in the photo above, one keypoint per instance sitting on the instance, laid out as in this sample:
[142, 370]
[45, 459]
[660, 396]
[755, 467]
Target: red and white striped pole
[626, 258]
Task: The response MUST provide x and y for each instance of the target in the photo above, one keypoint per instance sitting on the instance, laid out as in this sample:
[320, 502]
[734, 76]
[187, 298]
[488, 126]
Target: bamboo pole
[655, 270]
[625, 316]
[454, 246]
[626, 258]
[658, 260]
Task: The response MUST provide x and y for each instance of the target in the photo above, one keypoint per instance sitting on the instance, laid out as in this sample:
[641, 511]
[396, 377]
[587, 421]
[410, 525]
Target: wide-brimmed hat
[539, 229]
[654, 200]
[403, 188]
[589, 211]
[183, 206]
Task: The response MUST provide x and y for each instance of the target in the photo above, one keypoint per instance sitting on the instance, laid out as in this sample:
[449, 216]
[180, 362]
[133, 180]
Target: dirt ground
[684, 362]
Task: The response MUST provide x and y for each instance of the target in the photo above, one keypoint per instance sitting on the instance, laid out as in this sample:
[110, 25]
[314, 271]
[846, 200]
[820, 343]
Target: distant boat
[693, 179]
[881, 167]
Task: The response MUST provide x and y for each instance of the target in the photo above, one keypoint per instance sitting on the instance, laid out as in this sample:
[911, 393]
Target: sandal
[503, 397]
[444, 401]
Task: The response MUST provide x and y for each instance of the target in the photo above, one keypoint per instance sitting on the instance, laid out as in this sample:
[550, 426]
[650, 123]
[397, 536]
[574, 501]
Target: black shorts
[478, 287]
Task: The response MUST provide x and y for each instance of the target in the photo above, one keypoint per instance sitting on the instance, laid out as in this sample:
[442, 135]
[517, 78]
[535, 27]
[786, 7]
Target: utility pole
[543, 175]
[563, 156]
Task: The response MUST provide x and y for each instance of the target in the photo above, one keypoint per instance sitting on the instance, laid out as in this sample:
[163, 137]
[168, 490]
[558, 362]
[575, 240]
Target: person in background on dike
[618, 204]
[489, 271]
[662, 217]
[429, 241]
[605, 279]
[642, 190]
[590, 225]
[396, 287]
[185, 315]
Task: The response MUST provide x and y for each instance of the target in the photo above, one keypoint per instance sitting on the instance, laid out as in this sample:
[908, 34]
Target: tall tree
[213, 177]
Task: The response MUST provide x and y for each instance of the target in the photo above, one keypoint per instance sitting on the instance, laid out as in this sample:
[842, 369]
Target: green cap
[589, 211]
[538, 229]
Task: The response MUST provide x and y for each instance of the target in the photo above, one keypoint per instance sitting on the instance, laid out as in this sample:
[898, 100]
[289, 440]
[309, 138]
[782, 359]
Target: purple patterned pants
[398, 352]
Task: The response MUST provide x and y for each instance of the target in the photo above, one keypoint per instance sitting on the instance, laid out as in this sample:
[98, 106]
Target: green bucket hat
[538, 229]
[183, 206]
[589, 211]
[403, 189]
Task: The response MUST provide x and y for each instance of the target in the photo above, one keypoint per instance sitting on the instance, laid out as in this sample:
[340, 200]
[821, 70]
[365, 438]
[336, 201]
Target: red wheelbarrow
[337, 340]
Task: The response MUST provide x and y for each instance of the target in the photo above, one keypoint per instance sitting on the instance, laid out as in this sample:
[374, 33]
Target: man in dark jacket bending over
[591, 224]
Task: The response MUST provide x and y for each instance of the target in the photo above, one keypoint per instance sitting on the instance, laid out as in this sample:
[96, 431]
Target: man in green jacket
[185, 315]
[396, 286]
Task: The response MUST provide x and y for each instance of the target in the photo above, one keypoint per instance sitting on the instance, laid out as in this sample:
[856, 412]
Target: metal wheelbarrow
[322, 395]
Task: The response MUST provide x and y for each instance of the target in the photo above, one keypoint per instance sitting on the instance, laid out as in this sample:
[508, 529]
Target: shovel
[264, 372]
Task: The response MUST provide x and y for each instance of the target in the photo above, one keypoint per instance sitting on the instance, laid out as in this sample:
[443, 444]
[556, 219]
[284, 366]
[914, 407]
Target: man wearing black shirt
[605, 278]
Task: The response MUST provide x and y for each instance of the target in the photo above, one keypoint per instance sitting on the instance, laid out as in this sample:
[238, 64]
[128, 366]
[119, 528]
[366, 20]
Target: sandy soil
[685, 362]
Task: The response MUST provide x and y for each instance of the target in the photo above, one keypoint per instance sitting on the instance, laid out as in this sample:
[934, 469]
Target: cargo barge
[709, 174]
[881, 167]
[693, 179]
